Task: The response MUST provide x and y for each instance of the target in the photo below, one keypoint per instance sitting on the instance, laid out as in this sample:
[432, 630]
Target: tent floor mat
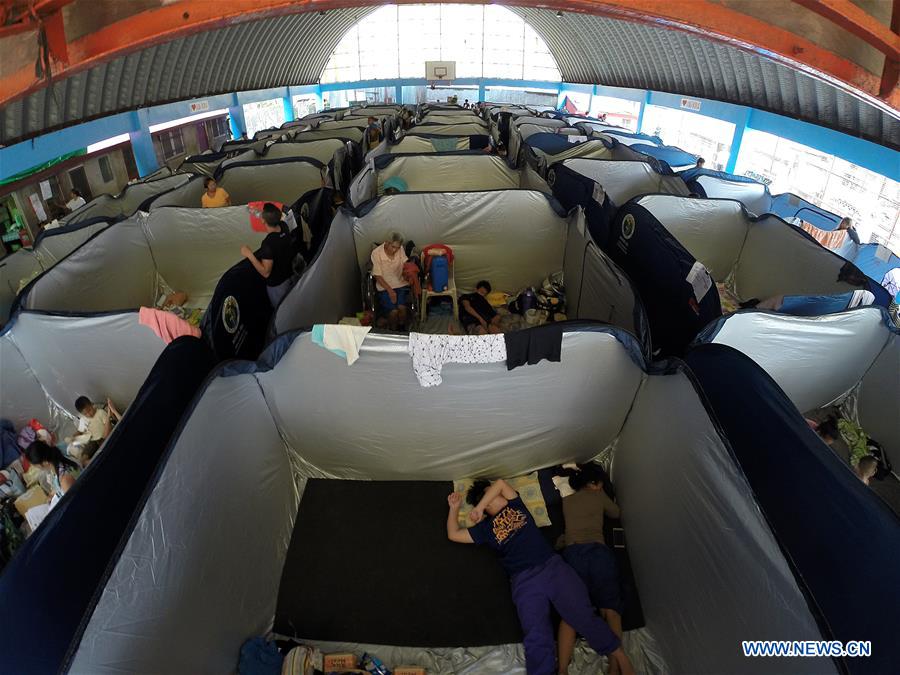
[370, 562]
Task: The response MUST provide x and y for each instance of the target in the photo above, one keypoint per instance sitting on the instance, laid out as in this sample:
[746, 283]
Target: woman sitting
[63, 471]
[214, 196]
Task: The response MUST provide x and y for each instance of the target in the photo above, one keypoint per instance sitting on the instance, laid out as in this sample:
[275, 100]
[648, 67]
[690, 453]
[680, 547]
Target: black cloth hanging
[533, 345]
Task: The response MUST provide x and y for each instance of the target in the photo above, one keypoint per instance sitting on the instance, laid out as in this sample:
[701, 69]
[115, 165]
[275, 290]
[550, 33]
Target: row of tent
[718, 475]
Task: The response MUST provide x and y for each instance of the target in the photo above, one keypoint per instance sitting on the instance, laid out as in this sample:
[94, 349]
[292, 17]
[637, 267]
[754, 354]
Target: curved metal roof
[596, 49]
[293, 49]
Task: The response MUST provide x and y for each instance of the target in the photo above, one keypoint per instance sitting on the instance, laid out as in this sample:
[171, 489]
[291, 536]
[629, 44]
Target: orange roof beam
[860, 23]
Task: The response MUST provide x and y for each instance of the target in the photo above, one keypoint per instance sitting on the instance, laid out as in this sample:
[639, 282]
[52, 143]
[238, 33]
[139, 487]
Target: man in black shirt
[476, 314]
[275, 256]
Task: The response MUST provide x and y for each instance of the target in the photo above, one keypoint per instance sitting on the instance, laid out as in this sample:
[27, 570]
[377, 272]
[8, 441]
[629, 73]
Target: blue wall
[27, 154]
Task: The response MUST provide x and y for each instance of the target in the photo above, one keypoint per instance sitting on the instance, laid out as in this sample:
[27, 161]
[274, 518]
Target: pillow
[529, 490]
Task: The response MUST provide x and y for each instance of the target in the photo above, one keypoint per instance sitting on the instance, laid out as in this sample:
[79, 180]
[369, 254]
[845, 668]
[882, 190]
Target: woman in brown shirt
[587, 553]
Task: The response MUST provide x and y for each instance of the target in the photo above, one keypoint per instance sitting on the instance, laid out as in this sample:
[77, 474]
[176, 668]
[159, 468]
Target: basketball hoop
[442, 72]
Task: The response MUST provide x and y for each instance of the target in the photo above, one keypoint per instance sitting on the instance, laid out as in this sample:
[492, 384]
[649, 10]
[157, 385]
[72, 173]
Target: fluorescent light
[184, 120]
[108, 143]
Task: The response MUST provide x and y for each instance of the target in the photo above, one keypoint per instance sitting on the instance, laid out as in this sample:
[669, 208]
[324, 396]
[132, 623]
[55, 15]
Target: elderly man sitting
[393, 290]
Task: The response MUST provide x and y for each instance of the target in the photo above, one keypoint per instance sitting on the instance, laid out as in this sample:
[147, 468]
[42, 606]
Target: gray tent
[755, 257]
[352, 133]
[128, 265]
[579, 147]
[458, 129]
[280, 180]
[514, 238]
[709, 570]
[206, 163]
[622, 180]
[519, 132]
[127, 202]
[47, 360]
[413, 144]
[53, 245]
[450, 173]
[851, 358]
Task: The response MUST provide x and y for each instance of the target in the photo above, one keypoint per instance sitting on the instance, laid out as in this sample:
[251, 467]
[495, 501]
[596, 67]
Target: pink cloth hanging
[166, 325]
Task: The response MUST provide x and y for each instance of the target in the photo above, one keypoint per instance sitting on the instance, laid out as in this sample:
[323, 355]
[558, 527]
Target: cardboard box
[33, 496]
[408, 670]
[339, 662]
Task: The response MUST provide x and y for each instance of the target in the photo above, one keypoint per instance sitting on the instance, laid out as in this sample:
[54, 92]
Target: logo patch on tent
[551, 177]
[628, 226]
[231, 314]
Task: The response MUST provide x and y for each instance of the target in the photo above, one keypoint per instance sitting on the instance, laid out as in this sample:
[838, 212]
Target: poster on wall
[38, 206]
[46, 190]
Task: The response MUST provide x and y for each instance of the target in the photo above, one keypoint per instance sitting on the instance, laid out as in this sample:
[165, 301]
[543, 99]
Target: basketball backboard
[440, 71]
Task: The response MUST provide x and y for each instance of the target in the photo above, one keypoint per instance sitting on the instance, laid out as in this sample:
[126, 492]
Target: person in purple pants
[539, 577]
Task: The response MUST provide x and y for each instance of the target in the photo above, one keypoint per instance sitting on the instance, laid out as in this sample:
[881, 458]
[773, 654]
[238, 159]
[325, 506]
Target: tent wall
[596, 288]
[119, 268]
[96, 356]
[352, 133]
[436, 172]
[755, 196]
[206, 163]
[192, 247]
[466, 129]
[816, 361]
[709, 571]
[712, 231]
[789, 205]
[623, 180]
[779, 258]
[322, 150]
[878, 401]
[594, 149]
[514, 238]
[57, 243]
[127, 202]
[412, 144]
[188, 194]
[515, 421]
[282, 180]
[22, 397]
[331, 287]
[677, 292]
[84, 531]
[835, 531]
[212, 553]
[23, 264]
[432, 119]
[114, 270]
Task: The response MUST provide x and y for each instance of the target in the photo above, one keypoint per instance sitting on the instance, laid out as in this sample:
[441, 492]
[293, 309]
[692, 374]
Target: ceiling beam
[704, 18]
[855, 20]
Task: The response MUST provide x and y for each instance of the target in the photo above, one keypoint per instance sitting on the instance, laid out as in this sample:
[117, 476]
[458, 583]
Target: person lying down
[539, 578]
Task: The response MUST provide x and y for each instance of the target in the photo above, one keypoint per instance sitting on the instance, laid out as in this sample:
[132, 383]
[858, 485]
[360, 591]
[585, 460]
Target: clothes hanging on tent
[430, 353]
[341, 339]
[166, 325]
[533, 345]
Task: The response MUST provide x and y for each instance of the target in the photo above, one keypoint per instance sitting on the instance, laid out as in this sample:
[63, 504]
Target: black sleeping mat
[370, 562]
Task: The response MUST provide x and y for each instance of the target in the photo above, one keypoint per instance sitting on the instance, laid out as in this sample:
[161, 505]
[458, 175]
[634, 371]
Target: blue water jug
[440, 273]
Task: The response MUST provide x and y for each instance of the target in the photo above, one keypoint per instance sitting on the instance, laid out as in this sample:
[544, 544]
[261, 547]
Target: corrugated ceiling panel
[589, 49]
